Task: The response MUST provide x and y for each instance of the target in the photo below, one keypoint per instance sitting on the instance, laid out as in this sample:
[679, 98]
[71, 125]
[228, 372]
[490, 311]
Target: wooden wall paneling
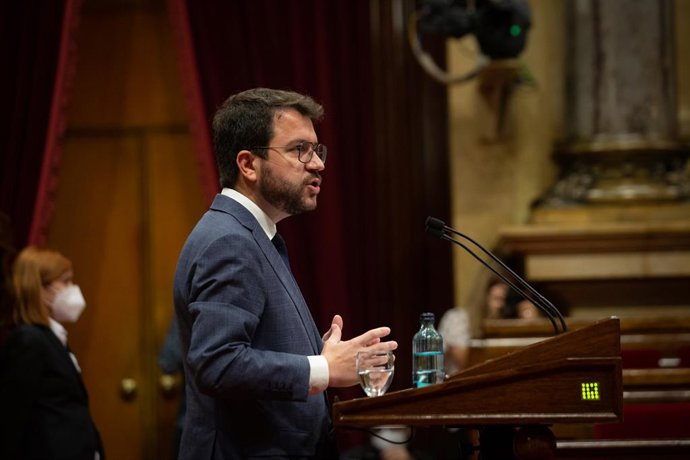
[97, 224]
[128, 191]
[176, 203]
[127, 73]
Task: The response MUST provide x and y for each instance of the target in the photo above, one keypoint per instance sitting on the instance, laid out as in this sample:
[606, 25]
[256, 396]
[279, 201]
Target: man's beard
[282, 194]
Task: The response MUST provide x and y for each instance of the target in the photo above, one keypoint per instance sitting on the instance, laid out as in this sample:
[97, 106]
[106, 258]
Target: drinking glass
[375, 370]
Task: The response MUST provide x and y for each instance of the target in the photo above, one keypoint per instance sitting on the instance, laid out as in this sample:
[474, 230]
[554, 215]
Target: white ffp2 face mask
[68, 304]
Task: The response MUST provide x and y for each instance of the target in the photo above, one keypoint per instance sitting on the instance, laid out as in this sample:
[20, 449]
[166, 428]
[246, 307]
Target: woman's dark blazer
[44, 408]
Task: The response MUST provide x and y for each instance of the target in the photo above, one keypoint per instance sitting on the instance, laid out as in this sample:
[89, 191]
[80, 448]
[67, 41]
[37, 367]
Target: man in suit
[256, 366]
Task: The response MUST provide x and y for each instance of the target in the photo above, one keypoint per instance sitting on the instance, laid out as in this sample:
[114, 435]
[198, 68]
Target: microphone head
[435, 226]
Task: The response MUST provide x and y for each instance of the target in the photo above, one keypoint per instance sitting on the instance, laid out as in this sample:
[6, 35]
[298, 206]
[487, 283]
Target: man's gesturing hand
[340, 354]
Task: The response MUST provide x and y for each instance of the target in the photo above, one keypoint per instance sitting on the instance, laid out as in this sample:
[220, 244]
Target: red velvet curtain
[363, 253]
[35, 39]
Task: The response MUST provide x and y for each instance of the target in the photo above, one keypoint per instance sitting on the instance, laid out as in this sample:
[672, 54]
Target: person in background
[496, 294]
[45, 408]
[503, 302]
[517, 307]
[391, 442]
[170, 363]
[454, 327]
[256, 367]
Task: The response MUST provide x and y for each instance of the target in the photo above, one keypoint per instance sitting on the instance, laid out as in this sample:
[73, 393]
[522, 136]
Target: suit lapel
[230, 206]
[288, 280]
[63, 356]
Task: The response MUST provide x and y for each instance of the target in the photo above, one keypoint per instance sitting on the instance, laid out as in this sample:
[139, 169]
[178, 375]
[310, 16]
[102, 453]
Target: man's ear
[247, 164]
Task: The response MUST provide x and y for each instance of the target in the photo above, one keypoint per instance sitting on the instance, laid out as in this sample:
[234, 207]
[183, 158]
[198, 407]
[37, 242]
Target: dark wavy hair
[246, 120]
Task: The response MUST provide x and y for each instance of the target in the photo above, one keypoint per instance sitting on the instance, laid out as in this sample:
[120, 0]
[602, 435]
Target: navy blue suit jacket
[246, 332]
[44, 408]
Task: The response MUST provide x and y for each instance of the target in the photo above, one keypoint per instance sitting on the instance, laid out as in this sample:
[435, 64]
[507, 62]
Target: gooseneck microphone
[439, 229]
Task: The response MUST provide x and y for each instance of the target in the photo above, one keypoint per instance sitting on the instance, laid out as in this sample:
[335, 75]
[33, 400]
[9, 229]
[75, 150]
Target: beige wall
[495, 176]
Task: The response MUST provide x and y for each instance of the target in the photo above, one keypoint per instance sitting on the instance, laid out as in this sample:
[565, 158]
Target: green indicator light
[590, 391]
[515, 30]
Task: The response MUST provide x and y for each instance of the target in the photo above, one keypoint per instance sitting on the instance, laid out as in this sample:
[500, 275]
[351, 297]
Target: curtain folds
[38, 51]
[192, 88]
[57, 122]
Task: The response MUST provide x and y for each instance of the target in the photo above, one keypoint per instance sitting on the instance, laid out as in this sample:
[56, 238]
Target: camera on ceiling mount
[500, 27]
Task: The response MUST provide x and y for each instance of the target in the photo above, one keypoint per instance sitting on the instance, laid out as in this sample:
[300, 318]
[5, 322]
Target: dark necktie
[307, 319]
[279, 243]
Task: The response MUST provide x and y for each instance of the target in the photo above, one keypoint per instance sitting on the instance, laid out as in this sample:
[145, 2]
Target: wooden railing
[649, 449]
[659, 382]
[668, 338]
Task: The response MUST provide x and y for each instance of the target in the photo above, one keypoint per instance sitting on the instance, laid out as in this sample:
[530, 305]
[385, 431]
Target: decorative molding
[597, 238]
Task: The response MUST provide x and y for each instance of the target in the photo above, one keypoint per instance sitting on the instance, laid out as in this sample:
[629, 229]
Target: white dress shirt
[61, 333]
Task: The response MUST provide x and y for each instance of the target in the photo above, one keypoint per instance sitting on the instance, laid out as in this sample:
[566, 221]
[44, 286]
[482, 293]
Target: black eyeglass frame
[314, 148]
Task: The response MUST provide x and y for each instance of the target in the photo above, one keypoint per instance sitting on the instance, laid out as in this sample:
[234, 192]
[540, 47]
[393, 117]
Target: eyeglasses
[305, 150]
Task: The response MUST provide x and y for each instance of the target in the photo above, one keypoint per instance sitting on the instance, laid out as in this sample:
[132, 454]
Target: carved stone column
[622, 147]
[612, 236]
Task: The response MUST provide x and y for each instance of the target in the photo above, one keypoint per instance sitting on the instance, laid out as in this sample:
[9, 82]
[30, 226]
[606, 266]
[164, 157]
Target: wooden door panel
[97, 224]
[176, 203]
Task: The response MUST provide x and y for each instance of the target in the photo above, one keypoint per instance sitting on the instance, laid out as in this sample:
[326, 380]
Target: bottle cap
[427, 316]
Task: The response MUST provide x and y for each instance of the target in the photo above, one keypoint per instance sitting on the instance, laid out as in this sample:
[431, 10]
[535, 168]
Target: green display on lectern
[590, 391]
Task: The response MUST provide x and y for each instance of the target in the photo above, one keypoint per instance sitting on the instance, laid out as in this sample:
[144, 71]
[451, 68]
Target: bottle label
[428, 368]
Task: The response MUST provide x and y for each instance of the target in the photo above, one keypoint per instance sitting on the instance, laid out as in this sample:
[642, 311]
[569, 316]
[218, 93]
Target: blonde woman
[45, 410]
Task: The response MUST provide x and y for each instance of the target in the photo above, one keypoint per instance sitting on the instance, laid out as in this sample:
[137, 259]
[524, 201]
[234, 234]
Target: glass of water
[375, 370]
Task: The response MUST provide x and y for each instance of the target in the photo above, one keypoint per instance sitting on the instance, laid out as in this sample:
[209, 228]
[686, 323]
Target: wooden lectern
[574, 377]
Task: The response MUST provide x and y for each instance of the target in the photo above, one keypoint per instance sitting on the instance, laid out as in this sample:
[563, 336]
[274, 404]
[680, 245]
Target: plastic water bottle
[427, 353]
